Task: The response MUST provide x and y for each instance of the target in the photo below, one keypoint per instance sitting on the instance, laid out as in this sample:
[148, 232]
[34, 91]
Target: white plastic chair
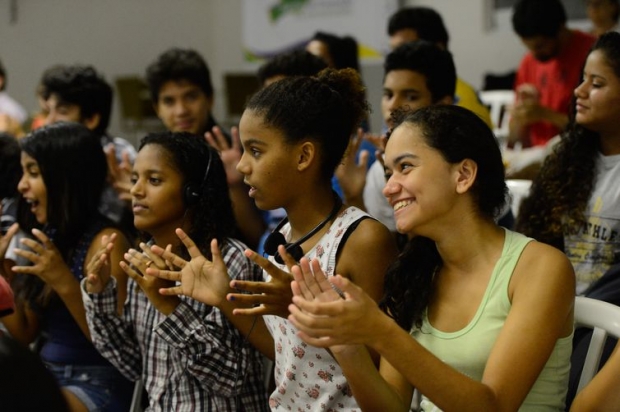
[604, 319]
[519, 189]
[499, 102]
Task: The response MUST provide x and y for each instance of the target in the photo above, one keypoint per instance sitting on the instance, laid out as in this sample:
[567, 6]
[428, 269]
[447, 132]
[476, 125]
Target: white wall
[122, 37]
[118, 37]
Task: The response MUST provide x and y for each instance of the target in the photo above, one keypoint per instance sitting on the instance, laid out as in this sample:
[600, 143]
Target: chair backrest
[498, 102]
[519, 189]
[604, 319]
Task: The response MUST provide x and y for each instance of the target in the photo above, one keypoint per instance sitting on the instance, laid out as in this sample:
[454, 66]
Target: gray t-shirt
[592, 249]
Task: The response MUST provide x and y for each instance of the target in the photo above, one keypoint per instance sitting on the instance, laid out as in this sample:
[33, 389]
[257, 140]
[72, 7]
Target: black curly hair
[560, 193]
[326, 108]
[427, 23]
[201, 167]
[178, 64]
[294, 63]
[457, 134]
[531, 18]
[427, 59]
[342, 50]
[82, 86]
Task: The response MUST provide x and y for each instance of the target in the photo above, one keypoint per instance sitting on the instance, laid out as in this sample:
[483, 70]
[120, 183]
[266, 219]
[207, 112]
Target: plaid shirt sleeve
[217, 354]
[112, 334]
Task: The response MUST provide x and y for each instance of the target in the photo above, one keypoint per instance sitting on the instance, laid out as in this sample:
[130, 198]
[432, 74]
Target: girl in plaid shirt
[189, 356]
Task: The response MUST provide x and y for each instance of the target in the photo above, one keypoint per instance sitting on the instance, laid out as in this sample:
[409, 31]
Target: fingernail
[231, 298]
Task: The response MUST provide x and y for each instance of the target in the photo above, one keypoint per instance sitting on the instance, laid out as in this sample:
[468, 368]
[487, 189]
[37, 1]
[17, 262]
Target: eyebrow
[254, 142]
[404, 156]
[402, 90]
[149, 171]
[597, 76]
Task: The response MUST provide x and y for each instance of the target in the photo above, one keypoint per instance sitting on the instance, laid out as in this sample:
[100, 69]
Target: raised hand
[351, 175]
[377, 140]
[47, 262]
[10, 125]
[229, 153]
[98, 269]
[324, 321]
[119, 174]
[202, 279]
[311, 283]
[137, 266]
[268, 298]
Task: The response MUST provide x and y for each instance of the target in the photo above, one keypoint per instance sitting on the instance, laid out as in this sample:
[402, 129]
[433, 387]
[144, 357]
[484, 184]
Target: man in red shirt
[548, 73]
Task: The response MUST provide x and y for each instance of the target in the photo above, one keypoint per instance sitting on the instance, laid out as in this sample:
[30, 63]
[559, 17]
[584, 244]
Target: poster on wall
[271, 27]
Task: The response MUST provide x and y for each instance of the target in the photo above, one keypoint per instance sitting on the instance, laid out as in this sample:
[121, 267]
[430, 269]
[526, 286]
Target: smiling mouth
[401, 204]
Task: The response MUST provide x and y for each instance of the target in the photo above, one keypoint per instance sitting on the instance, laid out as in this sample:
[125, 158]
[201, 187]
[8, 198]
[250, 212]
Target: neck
[462, 247]
[304, 216]
[610, 143]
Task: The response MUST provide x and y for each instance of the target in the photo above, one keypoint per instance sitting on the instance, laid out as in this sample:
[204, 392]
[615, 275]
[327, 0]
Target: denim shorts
[99, 388]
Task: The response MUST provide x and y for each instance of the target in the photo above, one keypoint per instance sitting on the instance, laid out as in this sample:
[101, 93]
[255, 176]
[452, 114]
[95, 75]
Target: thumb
[363, 159]
[350, 289]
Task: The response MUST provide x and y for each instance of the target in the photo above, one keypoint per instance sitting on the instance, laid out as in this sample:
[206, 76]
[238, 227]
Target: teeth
[401, 204]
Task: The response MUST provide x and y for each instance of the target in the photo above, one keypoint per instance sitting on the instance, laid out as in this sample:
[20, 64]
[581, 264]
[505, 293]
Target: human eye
[167, 101]
[411, 97]
[403, 167]
[387, 94]
[192, 96]
[155, 181]
[254, 152]
[33, 172]
[134, 178]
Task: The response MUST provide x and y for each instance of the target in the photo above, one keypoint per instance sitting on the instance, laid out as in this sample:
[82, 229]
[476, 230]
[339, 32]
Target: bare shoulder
[370, 236]
[366, 255]
[543, 266]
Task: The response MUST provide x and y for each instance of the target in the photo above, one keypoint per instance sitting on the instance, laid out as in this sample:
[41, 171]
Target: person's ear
[465, 172]
[305, 155]
[93, 121]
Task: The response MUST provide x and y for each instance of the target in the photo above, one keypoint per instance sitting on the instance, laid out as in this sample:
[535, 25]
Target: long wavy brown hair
[560, 193]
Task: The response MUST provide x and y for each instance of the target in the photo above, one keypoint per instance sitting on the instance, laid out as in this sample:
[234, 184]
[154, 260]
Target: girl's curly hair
[560, 193]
